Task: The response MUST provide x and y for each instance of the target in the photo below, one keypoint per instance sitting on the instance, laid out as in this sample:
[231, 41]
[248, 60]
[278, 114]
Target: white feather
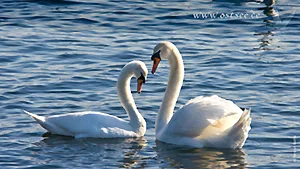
[97, 124]
[203, 121]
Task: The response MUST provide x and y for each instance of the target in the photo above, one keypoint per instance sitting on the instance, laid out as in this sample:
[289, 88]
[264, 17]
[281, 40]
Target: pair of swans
[202, 122]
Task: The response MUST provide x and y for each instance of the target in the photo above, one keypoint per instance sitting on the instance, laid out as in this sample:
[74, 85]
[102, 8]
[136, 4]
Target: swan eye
[142, 77]
[156, 55]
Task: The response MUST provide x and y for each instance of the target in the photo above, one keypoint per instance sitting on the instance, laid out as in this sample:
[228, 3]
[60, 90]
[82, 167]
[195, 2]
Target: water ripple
[61, 56]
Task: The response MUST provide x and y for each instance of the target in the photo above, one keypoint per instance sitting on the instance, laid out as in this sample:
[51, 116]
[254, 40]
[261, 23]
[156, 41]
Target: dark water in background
[65, 56]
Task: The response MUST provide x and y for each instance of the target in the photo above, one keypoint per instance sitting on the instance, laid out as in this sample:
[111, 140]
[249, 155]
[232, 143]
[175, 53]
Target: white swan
[201, 122]
[101, 125]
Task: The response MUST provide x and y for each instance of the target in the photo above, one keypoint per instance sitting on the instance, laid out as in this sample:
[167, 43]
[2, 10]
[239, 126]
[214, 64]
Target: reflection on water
[199, 158]
[269, 10]
[57, 55]
[91, 151]
[268, 31]
[267, 40]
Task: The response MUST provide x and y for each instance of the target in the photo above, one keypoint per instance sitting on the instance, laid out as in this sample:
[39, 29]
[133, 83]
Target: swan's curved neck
[172, 92]
[124, 93]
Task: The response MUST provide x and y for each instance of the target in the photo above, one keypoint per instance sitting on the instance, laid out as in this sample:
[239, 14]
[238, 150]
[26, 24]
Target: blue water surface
[61, 56]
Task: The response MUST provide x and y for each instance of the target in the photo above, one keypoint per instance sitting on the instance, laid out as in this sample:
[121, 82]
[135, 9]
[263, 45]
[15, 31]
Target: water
[65, 56]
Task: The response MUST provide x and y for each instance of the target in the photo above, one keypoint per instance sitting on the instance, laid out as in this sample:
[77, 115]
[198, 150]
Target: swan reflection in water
[184, 157]
[118, 152]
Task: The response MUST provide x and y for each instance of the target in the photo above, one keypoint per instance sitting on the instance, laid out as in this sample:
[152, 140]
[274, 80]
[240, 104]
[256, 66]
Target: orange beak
[139, 85]
[155, 65]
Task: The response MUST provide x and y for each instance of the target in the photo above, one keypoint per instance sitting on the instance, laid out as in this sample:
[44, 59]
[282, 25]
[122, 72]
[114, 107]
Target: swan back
[199, 113]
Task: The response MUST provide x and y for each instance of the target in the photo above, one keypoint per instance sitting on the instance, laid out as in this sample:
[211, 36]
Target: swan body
[101, 125]
[205, 121]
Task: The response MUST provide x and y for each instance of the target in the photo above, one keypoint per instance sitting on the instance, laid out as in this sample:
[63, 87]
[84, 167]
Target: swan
[101, 125]
[205, 121]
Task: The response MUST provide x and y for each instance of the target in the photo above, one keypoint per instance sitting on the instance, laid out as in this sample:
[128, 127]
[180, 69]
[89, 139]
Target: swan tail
[47, 124]
[39, 119]
[42, 121]
[238, 133]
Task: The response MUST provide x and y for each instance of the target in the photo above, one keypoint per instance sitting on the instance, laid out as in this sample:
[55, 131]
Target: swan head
[140, 71]
[162, 50]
